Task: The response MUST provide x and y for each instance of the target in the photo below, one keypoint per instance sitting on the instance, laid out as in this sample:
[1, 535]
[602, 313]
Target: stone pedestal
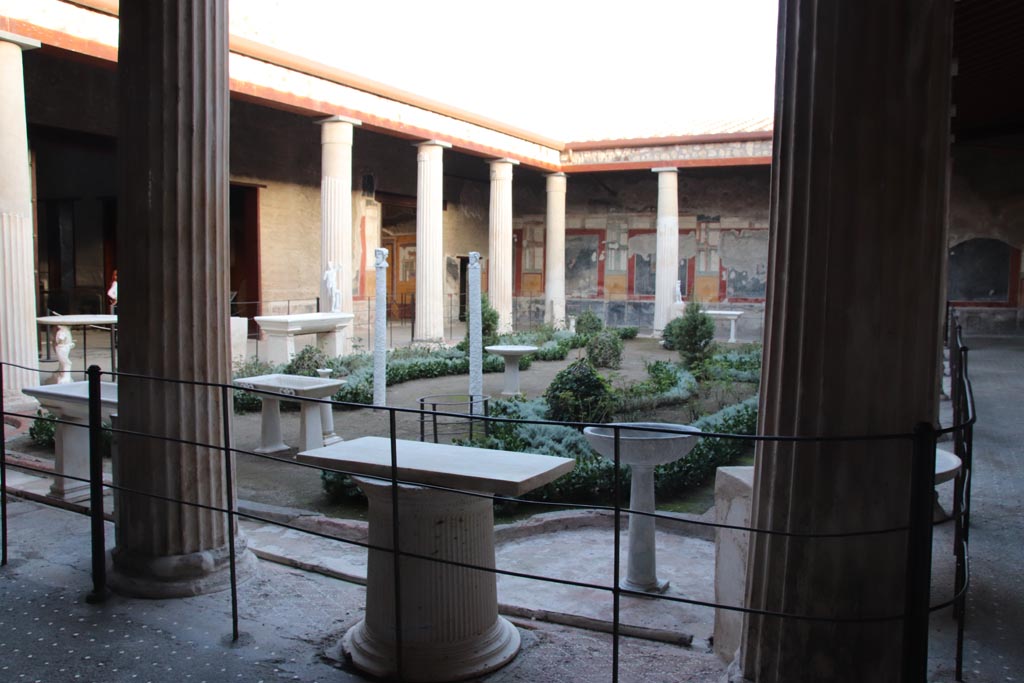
[511, 355]
[666, 273]
[853, 327]
[380, 329]
[173, 220]
[429, 325]
[450, 624]
[475, 331]
[17, 248]
[327, 413]
[336, 212]
[280, 332]
[733, 492]
[499, 271]
[554, 253]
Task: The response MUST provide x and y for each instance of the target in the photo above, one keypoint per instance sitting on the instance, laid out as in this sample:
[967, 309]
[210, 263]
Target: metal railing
[920, 447]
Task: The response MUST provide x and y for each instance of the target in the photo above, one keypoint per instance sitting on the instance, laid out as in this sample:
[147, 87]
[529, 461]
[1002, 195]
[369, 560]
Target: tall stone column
[336, 213]
[499, 273]
[17, 260]
[854, 312]
[173, 304]
[554, 252]
[667, 247]
[429, 327]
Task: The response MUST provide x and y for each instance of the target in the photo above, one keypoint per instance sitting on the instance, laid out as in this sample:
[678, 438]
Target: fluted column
[429, 327]
[858, 219]
[17, 267]
[336, 214]
[554, 252]
[173, 304]
[499, 272]
[667, 246]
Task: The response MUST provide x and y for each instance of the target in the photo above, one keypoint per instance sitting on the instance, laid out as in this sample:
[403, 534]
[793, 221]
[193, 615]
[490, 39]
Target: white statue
[679, 291]
[62, 345]
[331, 280]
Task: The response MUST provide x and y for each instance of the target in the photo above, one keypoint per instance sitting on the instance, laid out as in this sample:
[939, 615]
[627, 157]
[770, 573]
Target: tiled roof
[683, 127]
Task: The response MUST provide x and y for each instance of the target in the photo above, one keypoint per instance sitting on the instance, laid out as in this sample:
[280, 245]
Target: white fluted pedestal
[450, 624]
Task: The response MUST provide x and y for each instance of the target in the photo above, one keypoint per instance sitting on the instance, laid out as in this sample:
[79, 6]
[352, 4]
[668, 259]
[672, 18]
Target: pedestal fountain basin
[642, 449]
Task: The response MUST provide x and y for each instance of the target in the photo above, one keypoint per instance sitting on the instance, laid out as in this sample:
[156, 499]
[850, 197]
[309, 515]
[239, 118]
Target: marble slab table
[311, 426]
[281, 330]
[83, 321]
[70, 402]
[511, 354]
[449, 614]
[731, 316]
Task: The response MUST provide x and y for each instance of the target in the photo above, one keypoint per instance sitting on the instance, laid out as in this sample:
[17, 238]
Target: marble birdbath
[511, 354]
[642, 449]
[296, 386]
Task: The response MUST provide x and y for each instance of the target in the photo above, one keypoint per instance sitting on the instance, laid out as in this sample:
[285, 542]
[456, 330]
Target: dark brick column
[853, 325]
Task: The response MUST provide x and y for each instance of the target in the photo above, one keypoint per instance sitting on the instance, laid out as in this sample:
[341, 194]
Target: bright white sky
[568, 69]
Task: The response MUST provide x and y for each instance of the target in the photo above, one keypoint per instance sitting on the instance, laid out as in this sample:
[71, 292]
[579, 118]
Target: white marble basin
[303, 323]
[639, 446]
[292, 385]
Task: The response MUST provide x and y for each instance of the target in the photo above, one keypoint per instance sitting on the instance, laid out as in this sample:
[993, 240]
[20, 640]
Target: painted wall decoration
[979, 270]
[643, 252]
[744, 255]
[581, 265]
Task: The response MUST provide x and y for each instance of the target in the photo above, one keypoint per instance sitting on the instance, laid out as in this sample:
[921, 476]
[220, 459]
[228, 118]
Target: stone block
[733, 495]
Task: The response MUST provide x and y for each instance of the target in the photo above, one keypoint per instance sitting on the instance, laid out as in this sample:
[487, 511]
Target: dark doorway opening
[244, 220]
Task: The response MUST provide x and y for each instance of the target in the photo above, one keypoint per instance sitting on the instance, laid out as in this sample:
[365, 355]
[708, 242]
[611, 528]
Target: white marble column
[429, 326]
[554, 252]
[499, 273]
[17, 260]
[173, 310]
[336, 213]
[667, 247]
[854, 315]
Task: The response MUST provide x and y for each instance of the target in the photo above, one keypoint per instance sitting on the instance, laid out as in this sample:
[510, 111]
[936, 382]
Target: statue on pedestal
[331, 280]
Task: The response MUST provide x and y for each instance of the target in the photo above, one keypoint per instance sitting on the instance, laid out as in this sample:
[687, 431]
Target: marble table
[449, 614]
[731, 316]
[281, 330]
[642, 449]
[71, 321]
[511, 353]
[70, 402]
[311, 425]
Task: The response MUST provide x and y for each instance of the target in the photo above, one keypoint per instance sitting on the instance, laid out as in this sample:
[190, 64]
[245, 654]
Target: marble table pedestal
[511, 354]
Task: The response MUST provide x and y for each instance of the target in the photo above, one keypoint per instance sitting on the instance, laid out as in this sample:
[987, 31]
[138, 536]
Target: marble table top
[505, 473]
[510, 349]
[78, 320]
[71, 399]
[291, 385]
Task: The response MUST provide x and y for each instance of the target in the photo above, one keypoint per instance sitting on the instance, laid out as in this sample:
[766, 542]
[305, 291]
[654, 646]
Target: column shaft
[499, 272]
[336, 212]
[554, 252]
[173, 304]
[429, 326]
[667, 246]
[855, 296]
[17, 267]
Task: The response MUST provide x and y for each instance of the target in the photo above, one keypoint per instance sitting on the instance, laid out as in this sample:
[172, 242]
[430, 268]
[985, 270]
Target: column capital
[504, 160]
[555, 182]
[21, 41]
[665, 169]
[433, 143]
[558, 174]
[338, 119]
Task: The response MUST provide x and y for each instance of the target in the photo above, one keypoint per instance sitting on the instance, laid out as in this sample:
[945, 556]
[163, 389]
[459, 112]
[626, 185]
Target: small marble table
[511, 354]
[70, 402]
[311, 429]
[731, 316]
[449, 614]
[72, 321]
[281, 331]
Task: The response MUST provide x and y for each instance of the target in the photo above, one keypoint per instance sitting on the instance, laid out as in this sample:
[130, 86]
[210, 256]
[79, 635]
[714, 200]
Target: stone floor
[290, 617]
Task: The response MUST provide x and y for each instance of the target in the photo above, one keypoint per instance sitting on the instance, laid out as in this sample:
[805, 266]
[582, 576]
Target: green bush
[692, 335]
[735, 366]
[245, 402]
[667, 384]
[488, 324]
[579, 394]
[588, 323]
[627, 332]
[604, 349]
[306, 362]
[552, 350]
[43, 431]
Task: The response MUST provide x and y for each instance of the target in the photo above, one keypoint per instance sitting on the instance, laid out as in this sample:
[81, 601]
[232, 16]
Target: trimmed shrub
[604, 349]
[666, 384]
[306, 362]
[626, 332]
[579, 394]
[588, 323]
[488, 324]
[692, 335]
[244, 402]
[734, 366]
[43, 431]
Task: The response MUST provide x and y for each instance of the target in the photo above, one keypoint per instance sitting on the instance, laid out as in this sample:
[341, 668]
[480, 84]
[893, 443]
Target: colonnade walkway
[290, 616]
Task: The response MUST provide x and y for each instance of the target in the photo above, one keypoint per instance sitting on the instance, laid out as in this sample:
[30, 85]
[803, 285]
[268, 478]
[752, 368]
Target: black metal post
[919, 556]
[99, 542]
[394, 546]
[225, 400]
[617, 493]
[3, 488]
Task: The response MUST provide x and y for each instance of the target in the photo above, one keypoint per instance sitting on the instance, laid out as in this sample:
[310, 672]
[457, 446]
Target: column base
[658, 586]
[178, 576]
[431, 662]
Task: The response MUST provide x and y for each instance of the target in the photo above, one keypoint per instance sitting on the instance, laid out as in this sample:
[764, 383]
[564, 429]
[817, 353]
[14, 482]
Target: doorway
[244, 221]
